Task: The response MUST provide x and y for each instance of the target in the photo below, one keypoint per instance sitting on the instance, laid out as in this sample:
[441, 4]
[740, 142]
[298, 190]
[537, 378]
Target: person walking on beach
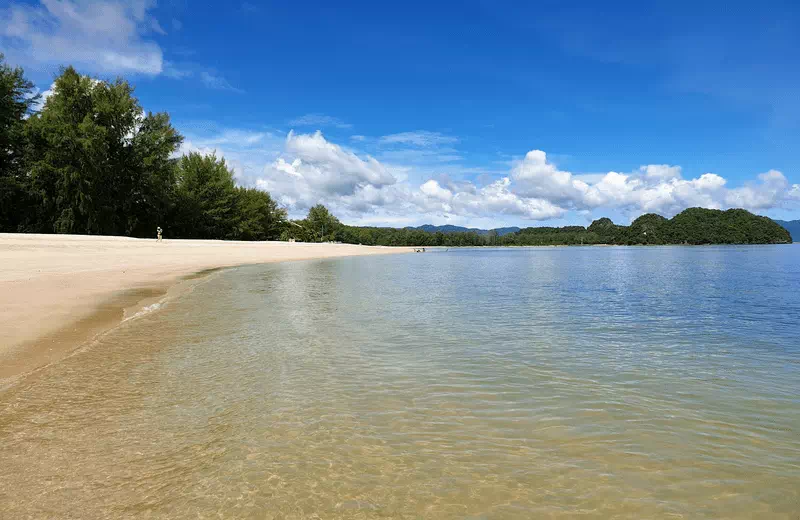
[158, 233]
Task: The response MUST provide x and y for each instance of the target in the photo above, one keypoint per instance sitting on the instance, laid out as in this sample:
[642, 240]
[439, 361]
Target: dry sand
[58, 291]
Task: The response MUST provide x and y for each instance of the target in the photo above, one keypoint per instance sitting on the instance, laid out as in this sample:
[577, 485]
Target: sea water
[591, 382]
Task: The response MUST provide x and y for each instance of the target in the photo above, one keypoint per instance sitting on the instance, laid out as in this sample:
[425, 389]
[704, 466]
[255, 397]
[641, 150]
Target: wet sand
[58, 291]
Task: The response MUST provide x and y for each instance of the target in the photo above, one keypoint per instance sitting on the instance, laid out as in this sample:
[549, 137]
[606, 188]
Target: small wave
[147, 309]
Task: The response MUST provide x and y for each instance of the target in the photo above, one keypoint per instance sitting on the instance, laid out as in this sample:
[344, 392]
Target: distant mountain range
[792, 226]
[458, 229]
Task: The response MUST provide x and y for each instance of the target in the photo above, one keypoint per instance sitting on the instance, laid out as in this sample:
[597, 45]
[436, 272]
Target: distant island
[792, 226]
[693, 226]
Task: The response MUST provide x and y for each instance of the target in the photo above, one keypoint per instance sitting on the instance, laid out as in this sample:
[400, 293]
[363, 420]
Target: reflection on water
[548, 383]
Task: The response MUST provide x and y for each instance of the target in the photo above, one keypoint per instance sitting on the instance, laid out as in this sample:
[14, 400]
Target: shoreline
[603, 245]
[58, 292]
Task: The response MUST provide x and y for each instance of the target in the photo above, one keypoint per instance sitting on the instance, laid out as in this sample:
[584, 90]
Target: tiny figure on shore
[158, 233]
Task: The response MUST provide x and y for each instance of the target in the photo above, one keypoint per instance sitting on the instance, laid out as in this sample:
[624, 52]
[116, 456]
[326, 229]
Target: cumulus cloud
[771, 187]
[535, 177]
[660, 172]
[657, 188]
[315, 170]
[307, 169]
[493, 199]
[102, 37]
[245, 151]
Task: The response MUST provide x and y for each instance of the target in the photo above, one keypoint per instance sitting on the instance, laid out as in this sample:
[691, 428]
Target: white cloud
[217, 82]
[660, 172]
[100, 37]
[657, 188]
[43, 96]
[421, 138]
[245, 151]
[306, 169]
[535, 177]
[171, 70]
[433, 190]
[321, 120]
[156, 27]
[494, 199]
[313, 170]
[771, 188]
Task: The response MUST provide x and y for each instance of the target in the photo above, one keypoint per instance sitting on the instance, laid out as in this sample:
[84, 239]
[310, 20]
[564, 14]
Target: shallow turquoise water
[511, 383]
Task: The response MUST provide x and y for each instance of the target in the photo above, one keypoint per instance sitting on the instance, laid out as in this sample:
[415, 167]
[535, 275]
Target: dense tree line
[91, 161]
[692, 226]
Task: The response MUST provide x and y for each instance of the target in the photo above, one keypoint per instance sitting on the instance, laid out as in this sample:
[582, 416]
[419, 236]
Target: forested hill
[692, 226]
[792, 226]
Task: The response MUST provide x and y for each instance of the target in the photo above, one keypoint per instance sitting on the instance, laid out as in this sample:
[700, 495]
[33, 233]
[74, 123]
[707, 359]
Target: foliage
[322, 222]
[97, 164]
[205, 197]
[16, 100]
[259, 217]
[93, 162]
[734, 226]
[692, 226]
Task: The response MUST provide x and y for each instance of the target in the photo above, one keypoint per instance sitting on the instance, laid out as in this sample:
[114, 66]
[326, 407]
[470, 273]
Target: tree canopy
[17, 97]
[96, 163]
[91, 161]
[692, 226]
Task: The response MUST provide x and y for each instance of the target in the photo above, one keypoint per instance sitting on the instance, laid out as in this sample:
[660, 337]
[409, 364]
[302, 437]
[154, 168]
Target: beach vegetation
[90, 160]
[18, 97]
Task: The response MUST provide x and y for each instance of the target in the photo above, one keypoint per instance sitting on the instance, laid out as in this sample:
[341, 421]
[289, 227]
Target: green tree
[205, 199]
[692, 226]
[17, 99]
[322, 222]
[153, 171]
[259, 217]
[648, 229]
[97, 163]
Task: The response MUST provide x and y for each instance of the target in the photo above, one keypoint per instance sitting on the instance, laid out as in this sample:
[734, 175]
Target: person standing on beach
[158, 233]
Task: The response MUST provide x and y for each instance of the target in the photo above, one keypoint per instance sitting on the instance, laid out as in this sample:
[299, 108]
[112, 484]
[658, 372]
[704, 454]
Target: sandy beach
[58, 291]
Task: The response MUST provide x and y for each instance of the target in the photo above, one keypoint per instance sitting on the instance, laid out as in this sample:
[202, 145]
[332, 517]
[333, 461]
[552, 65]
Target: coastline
[59, 291]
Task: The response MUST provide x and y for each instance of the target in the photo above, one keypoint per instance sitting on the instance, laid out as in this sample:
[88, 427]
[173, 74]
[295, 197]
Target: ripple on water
[595, 382]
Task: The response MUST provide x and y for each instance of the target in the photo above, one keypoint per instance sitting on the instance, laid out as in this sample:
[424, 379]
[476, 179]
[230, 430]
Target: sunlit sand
[59, 290]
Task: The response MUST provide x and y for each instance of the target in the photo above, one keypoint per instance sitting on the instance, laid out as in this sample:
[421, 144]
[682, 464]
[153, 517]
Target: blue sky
[477, 113]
